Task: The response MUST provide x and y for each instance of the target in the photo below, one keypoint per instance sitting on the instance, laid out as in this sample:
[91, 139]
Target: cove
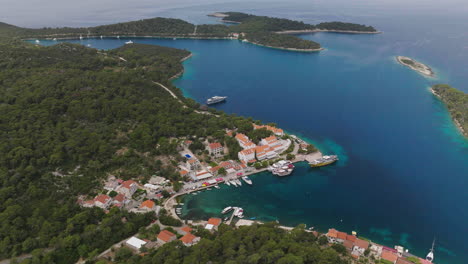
[402, 174]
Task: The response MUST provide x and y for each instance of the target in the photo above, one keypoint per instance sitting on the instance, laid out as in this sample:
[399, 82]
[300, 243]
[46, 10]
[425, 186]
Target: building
[135, 243]
[348, 245]
[376, 250]
[183, 173]
[216, 149]
[332, 235]
[360, 246]
[341, 236]
[193, 164]
[120, 200]
[102, 201]
[389, 255]
[244, 141]
[246, 155]
[128, 188]
[185, 230]
[166, 236]
[201, 175]
[157, 180]
[213, 223]
[147, 206]
[189, 239]
[277, 131]
[265, 152]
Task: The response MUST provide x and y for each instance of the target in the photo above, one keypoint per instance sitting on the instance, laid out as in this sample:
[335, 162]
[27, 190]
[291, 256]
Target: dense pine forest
[457, 104]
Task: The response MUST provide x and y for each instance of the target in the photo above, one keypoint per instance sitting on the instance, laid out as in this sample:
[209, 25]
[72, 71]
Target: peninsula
[260, 30]
[415, 65]
[457, 104]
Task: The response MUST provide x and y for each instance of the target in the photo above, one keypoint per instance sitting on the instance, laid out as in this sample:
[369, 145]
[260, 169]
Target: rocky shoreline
[455, 120]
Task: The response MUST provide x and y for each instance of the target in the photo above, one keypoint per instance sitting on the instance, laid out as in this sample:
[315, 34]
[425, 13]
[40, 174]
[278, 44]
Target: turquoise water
[402, 176]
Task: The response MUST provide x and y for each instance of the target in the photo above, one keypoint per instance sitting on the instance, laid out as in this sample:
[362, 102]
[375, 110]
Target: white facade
[246, 155]
[135, 242]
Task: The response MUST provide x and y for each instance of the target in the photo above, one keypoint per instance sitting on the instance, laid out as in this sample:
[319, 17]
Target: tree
[222, 171]
[123, 253]
[322, 240]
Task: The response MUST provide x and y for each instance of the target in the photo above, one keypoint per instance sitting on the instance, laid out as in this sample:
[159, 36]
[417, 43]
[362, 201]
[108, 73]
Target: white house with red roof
[244, 141]
[193, 164]
[128, 188]
[277, 131]
[246, 155]
[216, 149]
[102, 201]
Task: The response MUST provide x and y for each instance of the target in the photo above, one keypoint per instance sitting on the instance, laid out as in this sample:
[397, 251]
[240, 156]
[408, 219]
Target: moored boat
[325, 160]
[247, 180]
[233, 182]
[228, 183]
[227, 210]
[430, 255]
[129, 42]
[216, 99]
[238, 182]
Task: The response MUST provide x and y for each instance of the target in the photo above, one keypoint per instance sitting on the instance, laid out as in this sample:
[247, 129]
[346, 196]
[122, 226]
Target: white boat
[247, 180]
[227, 210]
[101, 36]
[129, 42]
[194, 193]
[238, 182]
[37, 41]
[430, 255]
[81, 37]
[227, 183]
[216, 99]
[217, 187]
[55, 39]
[233, 182]
[89, 45]
[118, 37]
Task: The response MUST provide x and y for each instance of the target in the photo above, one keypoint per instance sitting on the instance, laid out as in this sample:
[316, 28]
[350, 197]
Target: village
[158, 195]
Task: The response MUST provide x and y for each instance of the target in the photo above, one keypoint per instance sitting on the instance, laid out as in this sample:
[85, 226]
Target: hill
[457, 104]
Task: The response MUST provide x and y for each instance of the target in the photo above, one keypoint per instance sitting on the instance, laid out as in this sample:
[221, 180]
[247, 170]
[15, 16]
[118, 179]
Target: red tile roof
[403, 261]
[214, 221]
[348, 244]
[166, 236]
[119, 197]
[186, 229]
[351, 238]
[361, 243]
[332, 233]
[188, 238]
[127, 184]
[183, 172]
[388, 255]
[102, 198]
[215, 145]
[147, 204]
[342, 235]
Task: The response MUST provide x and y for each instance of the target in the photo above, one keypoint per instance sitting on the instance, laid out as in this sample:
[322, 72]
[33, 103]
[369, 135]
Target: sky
[54, 13]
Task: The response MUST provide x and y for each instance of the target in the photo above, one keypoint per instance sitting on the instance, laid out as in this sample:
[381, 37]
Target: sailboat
[430, 255]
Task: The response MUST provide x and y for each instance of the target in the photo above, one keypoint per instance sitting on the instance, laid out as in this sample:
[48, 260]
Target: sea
[402, 177]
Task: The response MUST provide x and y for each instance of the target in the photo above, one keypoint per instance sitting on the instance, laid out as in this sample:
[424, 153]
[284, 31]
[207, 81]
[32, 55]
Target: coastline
[418, 67]
[283, 48]
[183, 70]
[455, 120]
[307, 31]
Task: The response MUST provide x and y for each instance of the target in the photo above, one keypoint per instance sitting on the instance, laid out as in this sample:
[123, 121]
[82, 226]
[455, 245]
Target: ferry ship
[325, 160]
[216, 99]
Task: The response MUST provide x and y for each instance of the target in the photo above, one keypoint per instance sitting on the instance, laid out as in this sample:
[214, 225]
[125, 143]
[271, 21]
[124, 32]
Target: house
[265, 152]
[348, 245]
[246, 155]
[183, 173]
[166, 236]
[216, 149]
[135, 243]
[341, 237]
[332, 235]
[201, 175]
[147, 206]
[120, 199]
[244, 141]
[128, 188]
[403, 261]
[157, 180]
[214, 170]
[389, 255]
[193, 164]
[213, 223]
[185, 230]
[103, 201]
[187, 143]
[189, 239]
[376, 250]
[360, 246]
[270, 141]
[277, 131]
[351, 238]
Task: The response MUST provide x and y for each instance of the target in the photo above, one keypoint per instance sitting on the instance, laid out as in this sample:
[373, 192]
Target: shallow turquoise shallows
[402, 177]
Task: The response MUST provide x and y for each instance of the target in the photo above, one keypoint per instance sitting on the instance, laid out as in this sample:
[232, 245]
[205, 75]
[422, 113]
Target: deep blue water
[402, 177]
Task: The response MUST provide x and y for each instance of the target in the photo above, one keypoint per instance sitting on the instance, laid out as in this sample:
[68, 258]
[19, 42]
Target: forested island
[259, 30]
[457, 104]
[415, 65]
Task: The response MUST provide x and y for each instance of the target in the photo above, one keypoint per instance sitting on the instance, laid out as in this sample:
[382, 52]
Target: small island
[416, 66]
[457, 104]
